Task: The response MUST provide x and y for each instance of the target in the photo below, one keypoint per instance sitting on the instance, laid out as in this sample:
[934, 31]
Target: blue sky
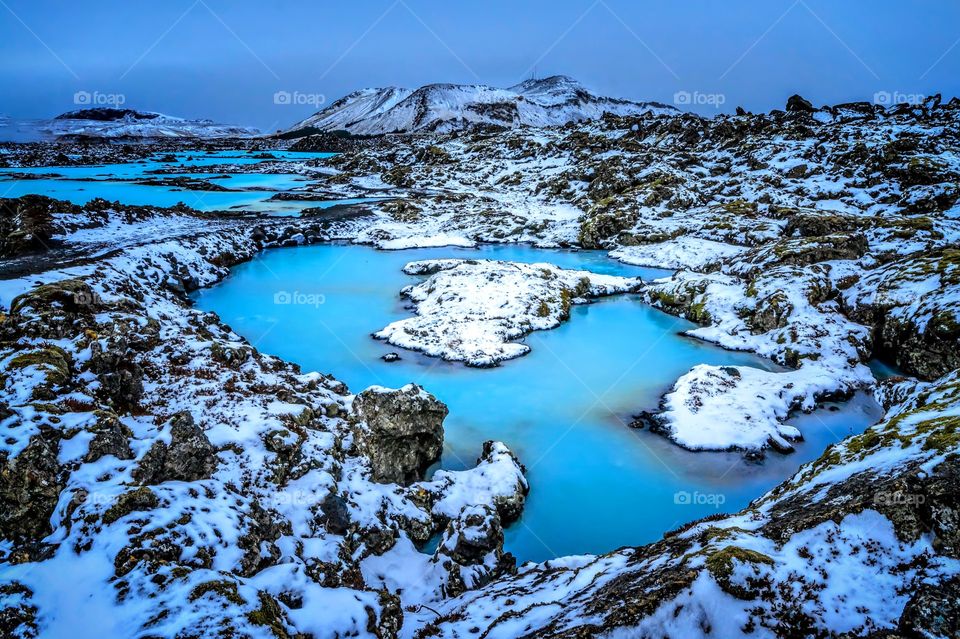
[226, 59]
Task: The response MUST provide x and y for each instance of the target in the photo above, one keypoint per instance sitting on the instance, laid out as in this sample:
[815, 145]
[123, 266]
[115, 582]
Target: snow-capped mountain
[446, 107]
[116, 123]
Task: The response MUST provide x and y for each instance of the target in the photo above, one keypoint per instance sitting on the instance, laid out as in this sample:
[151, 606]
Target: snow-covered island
[473, 311]
[191, 485]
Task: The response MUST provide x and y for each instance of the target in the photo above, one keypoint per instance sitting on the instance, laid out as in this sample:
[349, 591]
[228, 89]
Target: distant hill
[447, 107]
[116, 123]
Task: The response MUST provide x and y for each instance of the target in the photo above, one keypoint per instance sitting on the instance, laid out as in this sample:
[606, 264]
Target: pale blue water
[113, 182]
[595, 483]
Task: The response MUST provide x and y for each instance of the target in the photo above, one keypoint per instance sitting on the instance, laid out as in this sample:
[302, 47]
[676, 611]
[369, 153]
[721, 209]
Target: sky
[270, 64]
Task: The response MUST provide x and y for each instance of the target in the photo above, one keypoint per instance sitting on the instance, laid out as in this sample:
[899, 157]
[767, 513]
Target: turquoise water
[114, 182]
[595, 483]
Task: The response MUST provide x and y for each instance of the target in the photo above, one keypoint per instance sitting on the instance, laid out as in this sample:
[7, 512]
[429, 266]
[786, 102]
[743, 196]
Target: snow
[473, 310]
[688, 253]
[726, 407]
[427, 241]
[157, 126]
[447, 107]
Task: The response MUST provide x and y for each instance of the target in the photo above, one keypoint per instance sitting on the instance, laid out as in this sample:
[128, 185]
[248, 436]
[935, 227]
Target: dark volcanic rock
[30, 486]
[334, 514]
[817, 224]
[927, 352]
[121, 378]
[26, 225]
[189, 456]
[140, 499]
[110, 437]
[800, 104]
[401, 431]
[475, 538]
[933, 611]
[54, 311]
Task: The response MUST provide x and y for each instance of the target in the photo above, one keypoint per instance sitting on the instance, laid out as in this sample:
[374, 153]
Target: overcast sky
[226, 60]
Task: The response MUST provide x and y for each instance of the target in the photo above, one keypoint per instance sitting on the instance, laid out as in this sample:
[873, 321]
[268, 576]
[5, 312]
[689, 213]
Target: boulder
[810, 223]
[110, 437]
[26, 225]
[334, 514]
[933, 611]
[30, 486]
[797, 103]
[55, 311]
[472, 550]
[189, 456]
[137, 500]
[121, 378]
[401, 431]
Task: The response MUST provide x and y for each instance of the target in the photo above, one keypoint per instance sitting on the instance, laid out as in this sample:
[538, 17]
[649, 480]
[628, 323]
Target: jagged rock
[55, 365]
[334, 514]
[258, 542]
[510, 506]
[110, 437]
[818, 224]
[140, 499]
[811, 250]
[189, 456]
[401, 431]
[55, 311]
[121, 378]
[473, 542]
[927, 353]
[597, 231]
[771, 313]
[30, 486]
[391, 357]
[390, 620]
[933, 611]
[797, 103]
[18, 614]
[376, 539]
[26, 224]
[232, 357]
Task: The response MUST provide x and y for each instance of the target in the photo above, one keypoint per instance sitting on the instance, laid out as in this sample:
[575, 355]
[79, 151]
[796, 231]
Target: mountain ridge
[446, 107]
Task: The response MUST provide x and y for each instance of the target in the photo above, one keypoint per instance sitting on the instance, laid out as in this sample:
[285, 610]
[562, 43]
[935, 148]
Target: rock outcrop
[26, 225]
[400, 431]
[30, 485]
[188, 457]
